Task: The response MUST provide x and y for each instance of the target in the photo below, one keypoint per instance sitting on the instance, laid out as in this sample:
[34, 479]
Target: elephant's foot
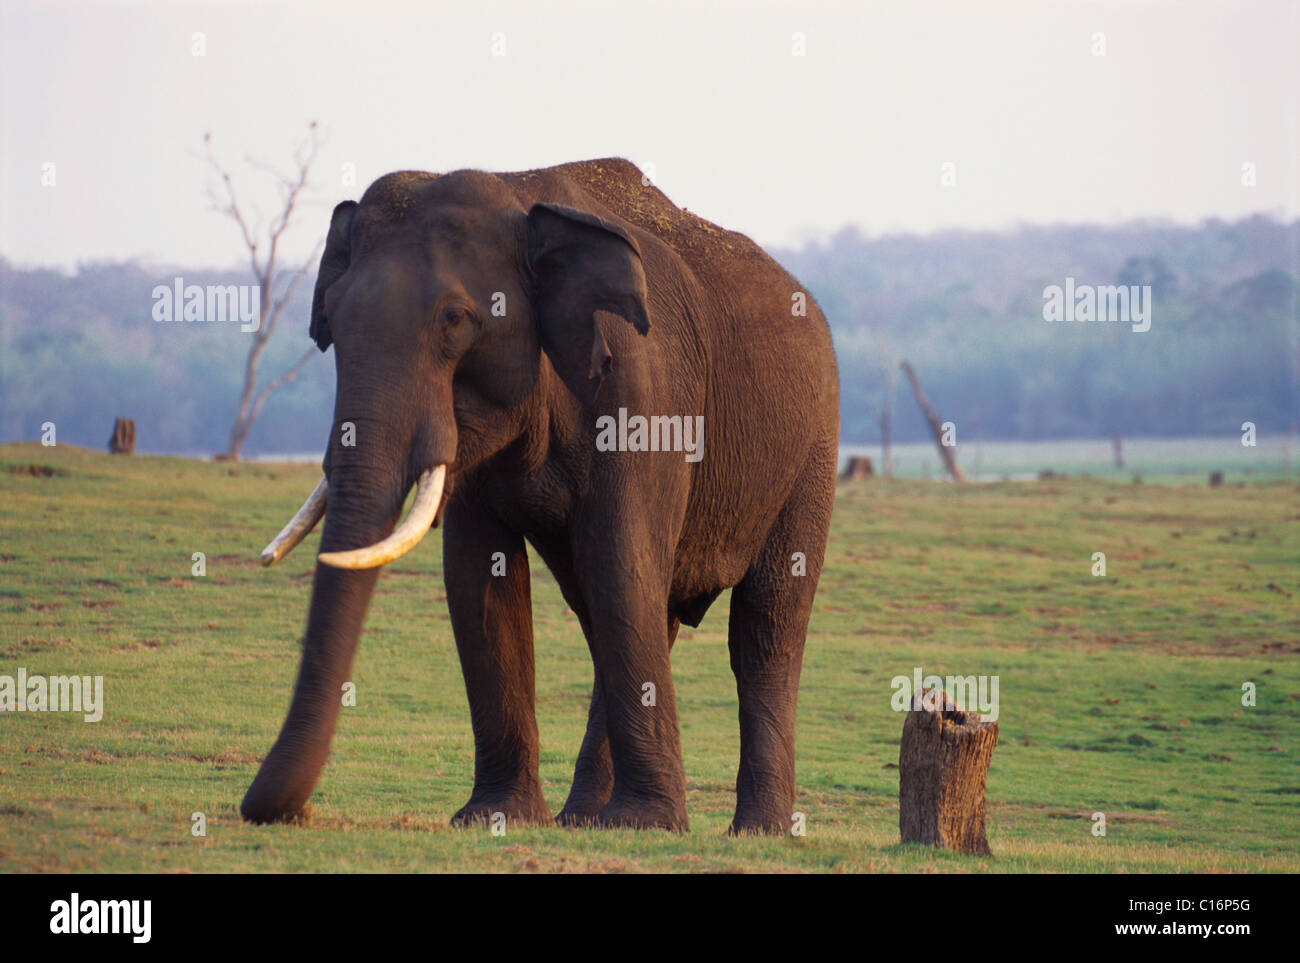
[759, 826]
[287, 817]
[272, 800]
[588, 797]
[519, 809]
[767, 817]
[641, 813]
[579, 813]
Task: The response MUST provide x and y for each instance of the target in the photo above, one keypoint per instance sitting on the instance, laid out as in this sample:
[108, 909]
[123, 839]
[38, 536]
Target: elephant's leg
[626, 596]
[770, 609]
[593, 775]
[492, 618]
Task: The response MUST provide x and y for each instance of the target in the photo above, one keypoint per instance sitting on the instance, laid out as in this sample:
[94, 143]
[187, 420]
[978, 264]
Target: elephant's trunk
[338, 606]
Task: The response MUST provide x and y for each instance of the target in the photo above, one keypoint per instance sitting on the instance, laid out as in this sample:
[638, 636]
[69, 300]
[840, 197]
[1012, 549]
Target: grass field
[1119, 695]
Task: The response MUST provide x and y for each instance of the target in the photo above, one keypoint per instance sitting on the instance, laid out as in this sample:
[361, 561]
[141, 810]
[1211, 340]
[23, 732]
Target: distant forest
[965, 308]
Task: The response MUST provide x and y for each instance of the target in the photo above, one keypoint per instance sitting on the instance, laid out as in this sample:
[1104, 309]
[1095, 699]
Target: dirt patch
[238, 561]
[101, 758]
[32, 644]
[140, 646]
[417, 821]
[934, 607]
[34, 471]
[526, 861]
[227, 758]
[1113, 817]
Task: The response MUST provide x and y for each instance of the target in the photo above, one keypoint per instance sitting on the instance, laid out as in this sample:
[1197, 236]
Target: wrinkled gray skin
[613, 297]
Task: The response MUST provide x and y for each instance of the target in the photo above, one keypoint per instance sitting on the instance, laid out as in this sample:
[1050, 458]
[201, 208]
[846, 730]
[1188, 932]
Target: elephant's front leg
[630, 646]
[486, 573]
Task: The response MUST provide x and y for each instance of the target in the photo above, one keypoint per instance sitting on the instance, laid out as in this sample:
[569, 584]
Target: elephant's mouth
[428, 499]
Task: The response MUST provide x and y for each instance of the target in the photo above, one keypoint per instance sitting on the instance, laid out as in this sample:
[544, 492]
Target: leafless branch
[264, 251]
[284, 379]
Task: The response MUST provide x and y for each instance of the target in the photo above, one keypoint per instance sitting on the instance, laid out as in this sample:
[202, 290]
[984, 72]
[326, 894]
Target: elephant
[521, 348]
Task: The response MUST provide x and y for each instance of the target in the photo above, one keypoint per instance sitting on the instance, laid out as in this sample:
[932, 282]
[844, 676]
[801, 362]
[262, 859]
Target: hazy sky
[737, 127]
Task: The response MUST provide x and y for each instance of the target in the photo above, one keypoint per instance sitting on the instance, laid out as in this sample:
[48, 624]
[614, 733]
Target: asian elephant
[565, 357]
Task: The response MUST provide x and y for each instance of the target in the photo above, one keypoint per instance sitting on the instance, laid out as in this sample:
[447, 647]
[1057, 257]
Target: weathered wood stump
[943, 763]
[858, 469]
[122, 441]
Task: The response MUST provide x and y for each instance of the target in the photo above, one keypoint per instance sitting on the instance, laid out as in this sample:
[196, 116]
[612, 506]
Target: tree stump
[858, 469]
[122, 441]
[943, 763]
[1216, 479]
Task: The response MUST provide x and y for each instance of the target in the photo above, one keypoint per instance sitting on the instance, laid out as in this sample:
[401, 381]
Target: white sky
[781, 147]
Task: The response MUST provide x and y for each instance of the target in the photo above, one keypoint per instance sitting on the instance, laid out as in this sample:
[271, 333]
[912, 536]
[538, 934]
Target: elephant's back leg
[593, 774]
[770, 609]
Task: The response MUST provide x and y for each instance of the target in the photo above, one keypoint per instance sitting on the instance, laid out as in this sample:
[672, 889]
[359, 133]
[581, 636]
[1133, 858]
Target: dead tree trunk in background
[943, 764]
[122, 441]
[1118, 447]
[947, 452]
[889, 370]
[268, 274]
[886, 442]
[888, 363]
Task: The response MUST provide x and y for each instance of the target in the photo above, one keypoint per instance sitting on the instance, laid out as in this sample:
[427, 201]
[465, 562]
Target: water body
[1024, 460]
[1272, 455]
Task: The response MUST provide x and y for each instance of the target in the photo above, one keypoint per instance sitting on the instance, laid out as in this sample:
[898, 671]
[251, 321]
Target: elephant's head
[440, 296]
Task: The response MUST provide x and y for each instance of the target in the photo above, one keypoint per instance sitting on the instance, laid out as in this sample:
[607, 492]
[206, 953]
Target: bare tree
[889, 372]
[946, 452]
[883, 416]
[271, 276]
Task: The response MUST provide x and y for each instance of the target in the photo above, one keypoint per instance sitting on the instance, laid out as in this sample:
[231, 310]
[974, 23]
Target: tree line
[965, 309]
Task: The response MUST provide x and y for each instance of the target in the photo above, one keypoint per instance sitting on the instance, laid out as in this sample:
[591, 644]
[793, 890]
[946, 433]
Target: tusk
[313, 509]
[428, 494]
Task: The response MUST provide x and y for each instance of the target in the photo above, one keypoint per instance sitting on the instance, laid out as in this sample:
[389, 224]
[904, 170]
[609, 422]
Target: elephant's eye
[457, 329]
[454, 316]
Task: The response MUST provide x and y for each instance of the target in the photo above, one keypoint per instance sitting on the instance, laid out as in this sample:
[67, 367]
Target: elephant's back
[754, 288]
[763, 317]
[619, 186]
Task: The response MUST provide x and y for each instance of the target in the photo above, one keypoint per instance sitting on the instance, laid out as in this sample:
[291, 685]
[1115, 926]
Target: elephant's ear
[582, 264]
[335, 260]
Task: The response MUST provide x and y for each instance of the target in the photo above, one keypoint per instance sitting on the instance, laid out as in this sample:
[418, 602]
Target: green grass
[1119, 694]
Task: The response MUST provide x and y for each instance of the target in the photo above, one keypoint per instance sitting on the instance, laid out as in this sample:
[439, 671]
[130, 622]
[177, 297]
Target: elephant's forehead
[443, 238]
[456, 219]
[396, 195]
[404, 195]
